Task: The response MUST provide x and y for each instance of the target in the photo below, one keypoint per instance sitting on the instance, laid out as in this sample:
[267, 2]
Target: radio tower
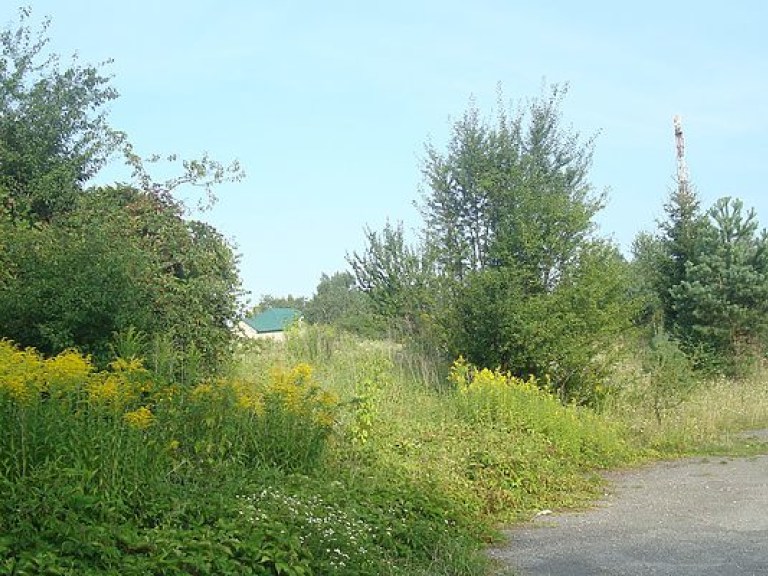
[683, 187]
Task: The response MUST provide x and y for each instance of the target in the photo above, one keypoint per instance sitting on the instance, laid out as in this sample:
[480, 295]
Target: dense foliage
[704, 279]
[80, 264]
[339, 302]
[510, 274]
[54, 133]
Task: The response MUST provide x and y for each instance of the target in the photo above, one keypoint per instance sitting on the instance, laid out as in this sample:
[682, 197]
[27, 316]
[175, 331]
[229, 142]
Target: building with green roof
[270, 323]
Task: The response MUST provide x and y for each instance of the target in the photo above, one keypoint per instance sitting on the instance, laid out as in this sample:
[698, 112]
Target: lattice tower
[682, 168]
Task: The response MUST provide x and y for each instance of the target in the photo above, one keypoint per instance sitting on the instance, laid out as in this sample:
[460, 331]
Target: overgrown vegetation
[319, 455]
[79, 263]
[433, 392]
[510, 273]
[117, 471]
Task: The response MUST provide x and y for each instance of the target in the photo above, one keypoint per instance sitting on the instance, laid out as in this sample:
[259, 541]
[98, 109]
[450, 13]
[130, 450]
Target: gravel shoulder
[691, 517]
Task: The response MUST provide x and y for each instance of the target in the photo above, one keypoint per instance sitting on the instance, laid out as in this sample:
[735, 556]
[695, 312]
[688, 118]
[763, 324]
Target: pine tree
[723, 297]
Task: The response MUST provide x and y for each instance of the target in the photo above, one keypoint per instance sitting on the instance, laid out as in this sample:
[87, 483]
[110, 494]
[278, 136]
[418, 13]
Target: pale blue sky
[327, 105]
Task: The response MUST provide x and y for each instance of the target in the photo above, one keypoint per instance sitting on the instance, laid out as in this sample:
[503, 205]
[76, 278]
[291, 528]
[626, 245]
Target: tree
[706, 275]
[569, 335]
[683, 236]
[120, 258]
[457, 210]
[723, 297]
[513, 193]
[79, 264]
[395, 275]
[269, 301]
[404, 293]
[54, 134]
[524, 286]
[648, 280]
[68, 288]
[339, 302]
[510, 274]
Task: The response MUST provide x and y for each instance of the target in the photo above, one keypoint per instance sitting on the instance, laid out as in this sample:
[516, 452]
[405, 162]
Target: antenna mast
[682, 168]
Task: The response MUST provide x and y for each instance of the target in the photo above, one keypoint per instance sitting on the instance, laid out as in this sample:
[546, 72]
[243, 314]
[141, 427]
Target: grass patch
[711, 418]
[500, 451]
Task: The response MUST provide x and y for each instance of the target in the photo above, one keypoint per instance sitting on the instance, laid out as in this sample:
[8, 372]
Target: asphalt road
[693, 517]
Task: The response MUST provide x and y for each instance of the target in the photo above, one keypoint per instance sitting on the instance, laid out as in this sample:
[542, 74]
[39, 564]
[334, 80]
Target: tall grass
[712, 416]
[498, 448]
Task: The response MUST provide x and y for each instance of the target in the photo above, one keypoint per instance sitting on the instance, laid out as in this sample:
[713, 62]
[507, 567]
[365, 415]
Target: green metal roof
[273, 319]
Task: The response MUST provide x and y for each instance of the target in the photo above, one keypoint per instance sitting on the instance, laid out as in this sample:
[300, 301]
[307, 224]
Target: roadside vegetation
[320, 455]
[435, 391]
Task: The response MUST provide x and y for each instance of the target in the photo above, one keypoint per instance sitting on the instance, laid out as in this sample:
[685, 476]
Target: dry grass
[711, 418]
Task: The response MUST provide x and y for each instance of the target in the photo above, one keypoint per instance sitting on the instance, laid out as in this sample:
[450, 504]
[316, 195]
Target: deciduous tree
[510, 274]
[54, 133]
[78, 264]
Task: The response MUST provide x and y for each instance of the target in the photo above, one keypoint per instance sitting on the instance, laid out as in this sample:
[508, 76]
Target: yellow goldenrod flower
[286, 390]
[325, 419]
[104, 391]
[69, 363]
[247, 396]
[301, 373]
[67, 372]
[166, 393]
[127, 365]
[140, 418]
[202, 390]
[18, 389]
[328, 399]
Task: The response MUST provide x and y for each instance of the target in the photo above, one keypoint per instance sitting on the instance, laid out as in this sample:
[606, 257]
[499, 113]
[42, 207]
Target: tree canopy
[80, 264]
[54, 134]
[510, 273]
[510, 192]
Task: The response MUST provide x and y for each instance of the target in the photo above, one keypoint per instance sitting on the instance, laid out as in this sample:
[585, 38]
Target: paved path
[693, 517]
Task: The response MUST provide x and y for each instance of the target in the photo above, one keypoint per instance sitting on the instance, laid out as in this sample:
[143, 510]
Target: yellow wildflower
[253, 402]
[283, 388]
[204, 389]
[20, 371]
[328, 399]
[104, 391]
[166, 393]
[127, 365]
[325, 408]
[66, 372]
[140, 418]
[247, 397]
[69, 363]
[325, 419]
[301, 373]
[18, 389]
